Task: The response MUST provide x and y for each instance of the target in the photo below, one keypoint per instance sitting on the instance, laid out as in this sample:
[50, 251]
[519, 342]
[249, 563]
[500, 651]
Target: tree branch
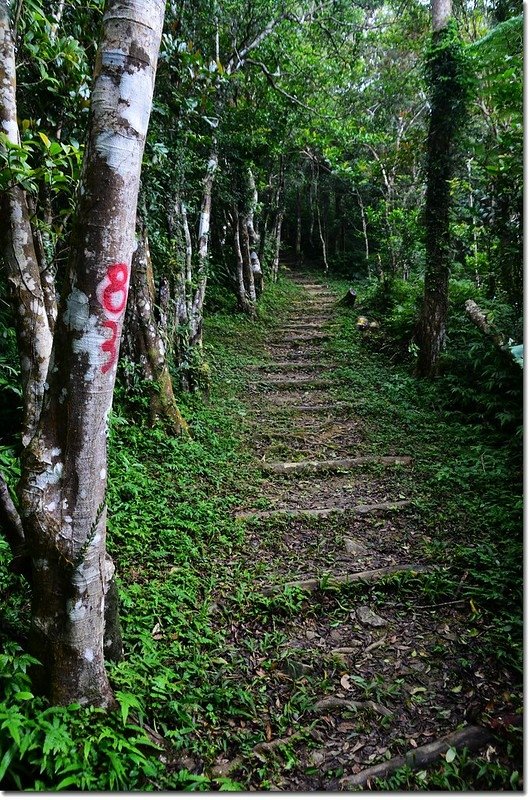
[11, 526]
[270, 77]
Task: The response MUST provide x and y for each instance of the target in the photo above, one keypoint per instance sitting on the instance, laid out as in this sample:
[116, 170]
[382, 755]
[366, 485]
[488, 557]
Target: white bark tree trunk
[63, 485]
[203, 245]
[242, 296]
[298, 240]
[253, 238]
[365, 231]
[322, 238]
[29, 292]
[441, 11]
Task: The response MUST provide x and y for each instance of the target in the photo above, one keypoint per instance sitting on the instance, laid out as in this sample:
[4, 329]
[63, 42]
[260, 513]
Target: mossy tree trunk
[447, 78]
[143, 340]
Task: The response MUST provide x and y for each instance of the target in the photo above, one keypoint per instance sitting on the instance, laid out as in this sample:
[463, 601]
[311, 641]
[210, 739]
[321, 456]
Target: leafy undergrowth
[214, 666]
[169, 509]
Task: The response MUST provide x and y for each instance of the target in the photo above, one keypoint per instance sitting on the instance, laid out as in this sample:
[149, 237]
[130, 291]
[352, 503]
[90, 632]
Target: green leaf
[71, 780]
[127, 701]
[6, 761]
[44, 139]
[450, 755]
[24, 696]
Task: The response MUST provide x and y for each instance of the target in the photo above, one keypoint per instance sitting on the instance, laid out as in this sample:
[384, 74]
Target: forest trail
[353, 675]
[310, 449]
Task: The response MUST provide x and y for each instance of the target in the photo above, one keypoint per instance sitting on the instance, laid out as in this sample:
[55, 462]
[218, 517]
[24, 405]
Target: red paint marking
[110, 345]
[112, 293]
[115, 293]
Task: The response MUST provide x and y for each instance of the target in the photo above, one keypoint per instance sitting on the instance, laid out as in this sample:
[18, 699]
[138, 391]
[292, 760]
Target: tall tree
[447, 78]
[70, 366]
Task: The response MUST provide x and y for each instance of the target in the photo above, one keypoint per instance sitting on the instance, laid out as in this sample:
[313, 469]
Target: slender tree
[143, 338]
[448, 92]
[69, 367]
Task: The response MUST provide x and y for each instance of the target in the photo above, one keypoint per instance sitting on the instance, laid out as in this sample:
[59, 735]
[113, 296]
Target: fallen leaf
[345, 682]
[346, 726]
[491, 751]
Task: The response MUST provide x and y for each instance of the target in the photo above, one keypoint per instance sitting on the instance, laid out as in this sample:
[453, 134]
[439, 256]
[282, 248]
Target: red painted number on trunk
[112, 293]
[115, 292]
[111, 345]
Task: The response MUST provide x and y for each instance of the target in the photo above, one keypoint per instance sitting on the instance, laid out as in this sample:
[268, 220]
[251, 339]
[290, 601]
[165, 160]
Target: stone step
[303, 366]
[319, 409]
[303, 513]
[280, 349]
[309, 337]
[331, 581]
[332, 465]
[310, 303]
[295, 383]
[302, 326]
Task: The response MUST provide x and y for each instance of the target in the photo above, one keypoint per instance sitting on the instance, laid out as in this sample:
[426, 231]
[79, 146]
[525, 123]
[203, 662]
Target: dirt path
[364, 676]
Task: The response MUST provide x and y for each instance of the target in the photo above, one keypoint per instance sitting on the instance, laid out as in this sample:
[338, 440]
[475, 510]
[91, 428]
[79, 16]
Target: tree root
[342, 704]
[473, 737]
[261, 749]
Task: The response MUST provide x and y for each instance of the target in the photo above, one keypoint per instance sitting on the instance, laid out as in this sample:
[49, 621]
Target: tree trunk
[298, 240]
[277, 244]
[365, 232]
[203, 245]
[447, 105]
[147, 347]
[28, 292]
[279, 212]
[322, 239]
[63, 484]
[248, 275]
[242, 297]
[253, 238]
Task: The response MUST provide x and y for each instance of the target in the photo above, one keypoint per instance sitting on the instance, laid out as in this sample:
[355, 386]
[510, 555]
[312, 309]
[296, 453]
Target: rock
[354, 548]
[369, 617]
[296, 669]
[317, 757]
